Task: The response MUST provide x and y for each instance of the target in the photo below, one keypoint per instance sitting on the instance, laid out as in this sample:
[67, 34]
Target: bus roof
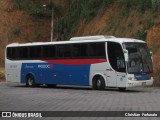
[85, 39]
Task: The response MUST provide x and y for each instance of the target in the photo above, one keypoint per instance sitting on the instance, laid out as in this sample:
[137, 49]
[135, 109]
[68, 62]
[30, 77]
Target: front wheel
[98, 83]
[30, 81]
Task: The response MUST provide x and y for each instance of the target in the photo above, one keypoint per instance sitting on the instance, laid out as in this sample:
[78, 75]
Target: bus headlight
[131, 78]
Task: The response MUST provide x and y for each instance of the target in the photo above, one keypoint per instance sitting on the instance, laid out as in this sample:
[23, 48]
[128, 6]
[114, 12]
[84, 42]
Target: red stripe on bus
[77, 61]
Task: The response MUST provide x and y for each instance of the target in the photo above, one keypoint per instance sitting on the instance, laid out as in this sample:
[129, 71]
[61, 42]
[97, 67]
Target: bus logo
[6, 114]
[46, 66]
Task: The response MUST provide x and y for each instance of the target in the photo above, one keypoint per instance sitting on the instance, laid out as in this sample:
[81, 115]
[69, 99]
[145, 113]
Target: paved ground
[15, 97]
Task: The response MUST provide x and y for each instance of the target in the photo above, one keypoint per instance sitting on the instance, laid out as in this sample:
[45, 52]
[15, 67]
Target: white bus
[97, 61]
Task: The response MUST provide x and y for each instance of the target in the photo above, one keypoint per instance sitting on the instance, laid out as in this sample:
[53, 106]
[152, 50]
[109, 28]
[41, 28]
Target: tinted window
[46, 51]
[35, 52]
[97, 50]
[116, 56]
[88, 50]
[84, 50]
[11, 52]
[49, 51]
[76, 50]
[63, 51]
[22, 52]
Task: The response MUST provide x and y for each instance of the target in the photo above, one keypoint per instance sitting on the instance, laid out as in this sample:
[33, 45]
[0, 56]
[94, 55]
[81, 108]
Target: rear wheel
[98, 83]
[30, 81]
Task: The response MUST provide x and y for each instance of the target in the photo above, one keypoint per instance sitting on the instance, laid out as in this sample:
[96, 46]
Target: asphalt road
[16, 97]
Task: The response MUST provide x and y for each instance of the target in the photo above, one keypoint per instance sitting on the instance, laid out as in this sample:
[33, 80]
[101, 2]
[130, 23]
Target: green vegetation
[109, 26]
[140, 34]
[142, 5]
[37, 35]
[15, 30]
[26, 37]
[150, 23]
[66, 25]
[130, 24]
[78, 10]
[35, 7]
[154, 5]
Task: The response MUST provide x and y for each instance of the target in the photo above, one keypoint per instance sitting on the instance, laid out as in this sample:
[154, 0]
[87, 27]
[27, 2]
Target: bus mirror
[151, 53]
[126, 55]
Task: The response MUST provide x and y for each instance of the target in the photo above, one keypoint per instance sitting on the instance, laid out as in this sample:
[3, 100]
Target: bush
[150, 23]
[140, 34]
[22, 4]
[35, 8]
[83, 9]
[15, 30]
[144, 5]
[130, 24]
[109, 26]
[26, 37]
[154, 5]
[36, 35]
[128, 3]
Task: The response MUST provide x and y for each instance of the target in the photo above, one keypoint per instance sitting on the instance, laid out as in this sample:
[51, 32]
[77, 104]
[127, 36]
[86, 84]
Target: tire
[30, 81]
[98, 83]
[122, 89]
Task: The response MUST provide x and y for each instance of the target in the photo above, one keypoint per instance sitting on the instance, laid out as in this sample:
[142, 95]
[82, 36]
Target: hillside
[28, 21]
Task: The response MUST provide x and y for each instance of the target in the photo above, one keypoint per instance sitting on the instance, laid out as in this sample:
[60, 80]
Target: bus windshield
[139, 58]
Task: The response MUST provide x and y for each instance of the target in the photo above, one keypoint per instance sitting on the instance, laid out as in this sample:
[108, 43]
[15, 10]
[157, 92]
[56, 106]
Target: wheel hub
[98, 83]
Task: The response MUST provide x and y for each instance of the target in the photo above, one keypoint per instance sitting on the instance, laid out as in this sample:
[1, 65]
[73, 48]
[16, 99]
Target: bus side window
[116, 56]
[97, 50]
[35, 52]
[84, 50]
[63, 51]
[12, 53]
[76, 50]
[22, 53]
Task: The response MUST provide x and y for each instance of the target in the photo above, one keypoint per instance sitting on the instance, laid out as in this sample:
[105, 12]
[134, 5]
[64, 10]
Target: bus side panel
[31, 68]
[98, 69]
[13, 71]
[69, 74]
[50, 73]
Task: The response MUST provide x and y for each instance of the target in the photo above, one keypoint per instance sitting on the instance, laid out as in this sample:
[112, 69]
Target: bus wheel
[98, 83]
[122, 89]
[30, 82]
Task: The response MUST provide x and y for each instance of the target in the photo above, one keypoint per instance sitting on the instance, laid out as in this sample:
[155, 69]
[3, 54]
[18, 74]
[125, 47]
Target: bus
[96, 61]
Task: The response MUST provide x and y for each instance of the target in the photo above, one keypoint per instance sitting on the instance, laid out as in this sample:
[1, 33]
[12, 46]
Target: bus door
[117, 71]
[111, 78]
[121, 79]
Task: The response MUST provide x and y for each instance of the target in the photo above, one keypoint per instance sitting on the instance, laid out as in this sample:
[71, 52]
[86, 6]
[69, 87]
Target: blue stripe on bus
[50, 73]
[142, 76]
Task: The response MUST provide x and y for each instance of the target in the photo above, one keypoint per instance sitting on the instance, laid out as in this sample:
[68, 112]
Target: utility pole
[52, 20]
[52, 24]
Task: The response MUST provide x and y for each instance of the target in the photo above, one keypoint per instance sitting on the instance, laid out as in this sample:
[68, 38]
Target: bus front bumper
[144, 83]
